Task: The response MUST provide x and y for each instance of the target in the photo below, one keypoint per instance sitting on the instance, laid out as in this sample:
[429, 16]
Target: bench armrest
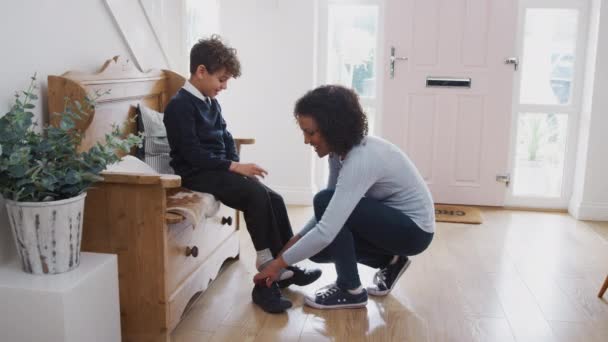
[242, 141]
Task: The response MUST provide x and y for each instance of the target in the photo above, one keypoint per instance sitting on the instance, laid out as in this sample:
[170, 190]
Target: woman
[376, 210]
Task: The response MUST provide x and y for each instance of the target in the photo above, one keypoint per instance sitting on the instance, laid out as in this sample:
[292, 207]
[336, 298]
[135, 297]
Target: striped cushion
[156, 145]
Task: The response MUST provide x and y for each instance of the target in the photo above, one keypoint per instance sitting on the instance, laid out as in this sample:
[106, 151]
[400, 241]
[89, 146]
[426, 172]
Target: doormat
[457, 214]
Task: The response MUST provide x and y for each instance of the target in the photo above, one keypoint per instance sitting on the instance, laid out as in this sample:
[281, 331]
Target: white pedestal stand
[80, 305]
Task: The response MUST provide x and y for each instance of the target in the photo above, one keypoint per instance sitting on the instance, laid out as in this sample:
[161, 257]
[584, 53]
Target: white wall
[590, 195]
[166, 18]
[276, 45]
[49, 37]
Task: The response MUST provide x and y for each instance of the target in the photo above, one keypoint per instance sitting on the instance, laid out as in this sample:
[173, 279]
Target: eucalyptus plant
[44, 164]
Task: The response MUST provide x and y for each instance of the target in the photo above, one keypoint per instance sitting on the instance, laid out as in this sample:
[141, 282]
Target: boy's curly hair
[338, 113]
[214, 55]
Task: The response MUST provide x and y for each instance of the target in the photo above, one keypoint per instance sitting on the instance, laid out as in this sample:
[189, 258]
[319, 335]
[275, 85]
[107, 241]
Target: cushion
[130, 164]
[156, 145]
[192, 205]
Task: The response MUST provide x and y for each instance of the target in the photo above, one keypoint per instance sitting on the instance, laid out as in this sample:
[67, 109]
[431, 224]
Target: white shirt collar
[189, 87]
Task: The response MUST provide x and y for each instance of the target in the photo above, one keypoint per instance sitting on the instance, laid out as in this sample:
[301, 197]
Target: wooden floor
[519, 276]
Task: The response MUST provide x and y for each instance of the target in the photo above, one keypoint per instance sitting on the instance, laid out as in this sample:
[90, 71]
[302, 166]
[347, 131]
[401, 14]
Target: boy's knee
[256, 191]
[274, 195]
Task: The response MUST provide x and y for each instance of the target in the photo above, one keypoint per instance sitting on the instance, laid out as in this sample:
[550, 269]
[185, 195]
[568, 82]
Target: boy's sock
[356, 291]
[264, 257]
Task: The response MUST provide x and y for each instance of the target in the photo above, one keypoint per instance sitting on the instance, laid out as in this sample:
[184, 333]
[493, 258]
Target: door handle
[392, 60]
[514, 61]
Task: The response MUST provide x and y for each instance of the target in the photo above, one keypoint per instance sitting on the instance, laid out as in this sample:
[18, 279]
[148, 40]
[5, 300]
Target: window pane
[540, 153]
[370, 112]
[548, 56]
[352, 47]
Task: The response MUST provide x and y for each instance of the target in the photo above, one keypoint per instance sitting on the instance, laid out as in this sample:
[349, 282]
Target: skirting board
[589, 211]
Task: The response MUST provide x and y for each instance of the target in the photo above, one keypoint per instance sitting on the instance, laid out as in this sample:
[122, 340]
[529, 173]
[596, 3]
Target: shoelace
[294, 268]
[324, 288]
[328, 292]
[380, 277]
[275, 290]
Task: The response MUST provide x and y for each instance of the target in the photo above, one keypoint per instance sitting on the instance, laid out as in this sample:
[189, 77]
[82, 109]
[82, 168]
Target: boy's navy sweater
[197, 135]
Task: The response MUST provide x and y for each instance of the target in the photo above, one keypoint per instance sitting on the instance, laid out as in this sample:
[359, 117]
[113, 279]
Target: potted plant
[44, 178]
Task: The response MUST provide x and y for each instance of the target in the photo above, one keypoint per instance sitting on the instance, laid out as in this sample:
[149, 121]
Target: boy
[203, 153]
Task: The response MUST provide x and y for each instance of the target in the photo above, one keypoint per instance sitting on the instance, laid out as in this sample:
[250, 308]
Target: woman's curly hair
[214, 55]
[338, 113]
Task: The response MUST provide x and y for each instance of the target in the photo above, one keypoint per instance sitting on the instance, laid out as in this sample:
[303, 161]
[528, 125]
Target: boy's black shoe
[270, 298]
[333, 297]
[301, 277]
[386, 278]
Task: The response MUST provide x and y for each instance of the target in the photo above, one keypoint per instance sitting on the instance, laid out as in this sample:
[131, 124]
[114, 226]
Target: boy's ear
[201, 70]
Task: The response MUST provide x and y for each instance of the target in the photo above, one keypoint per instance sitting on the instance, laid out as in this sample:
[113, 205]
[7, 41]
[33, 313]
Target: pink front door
[458, 137]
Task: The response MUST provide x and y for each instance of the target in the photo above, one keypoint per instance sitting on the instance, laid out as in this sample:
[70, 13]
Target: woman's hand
[290, 243]
[270, 273]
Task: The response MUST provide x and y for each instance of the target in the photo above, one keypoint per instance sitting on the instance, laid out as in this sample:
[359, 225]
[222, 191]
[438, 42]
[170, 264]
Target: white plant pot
[47, 234]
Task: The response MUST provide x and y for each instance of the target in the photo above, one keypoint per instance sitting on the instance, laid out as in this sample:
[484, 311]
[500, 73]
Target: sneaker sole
[271, 311]
[261, 304]
[379, 293]
[313, 304]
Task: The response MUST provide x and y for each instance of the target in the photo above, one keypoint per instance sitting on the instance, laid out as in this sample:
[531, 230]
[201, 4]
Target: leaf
[48, 183]
[72, 177]
[44, 164]
[22, 182]
[66, 124]
[91, 177]
[16, 171]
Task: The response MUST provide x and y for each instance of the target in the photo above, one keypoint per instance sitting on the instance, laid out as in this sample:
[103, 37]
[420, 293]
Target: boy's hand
[248, 170]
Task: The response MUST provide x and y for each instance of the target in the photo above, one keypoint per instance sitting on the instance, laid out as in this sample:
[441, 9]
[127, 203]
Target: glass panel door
[348, 40]
[546, 102]
[349, 52]
[549, 49]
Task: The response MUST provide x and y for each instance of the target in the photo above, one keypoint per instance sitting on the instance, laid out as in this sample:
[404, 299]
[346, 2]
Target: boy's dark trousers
[264, 210]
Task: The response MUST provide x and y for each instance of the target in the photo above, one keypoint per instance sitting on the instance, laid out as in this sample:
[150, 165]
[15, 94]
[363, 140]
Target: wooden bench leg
[603, 289]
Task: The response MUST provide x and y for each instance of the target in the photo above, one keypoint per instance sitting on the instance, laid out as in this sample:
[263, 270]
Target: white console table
[80, 305]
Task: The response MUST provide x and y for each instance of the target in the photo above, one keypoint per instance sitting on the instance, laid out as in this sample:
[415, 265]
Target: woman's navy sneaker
[301, 277]
[270, 298]
[386, 278]
[333, 297]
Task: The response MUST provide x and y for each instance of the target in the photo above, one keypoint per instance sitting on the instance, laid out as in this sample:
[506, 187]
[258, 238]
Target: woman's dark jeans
[372, 235]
